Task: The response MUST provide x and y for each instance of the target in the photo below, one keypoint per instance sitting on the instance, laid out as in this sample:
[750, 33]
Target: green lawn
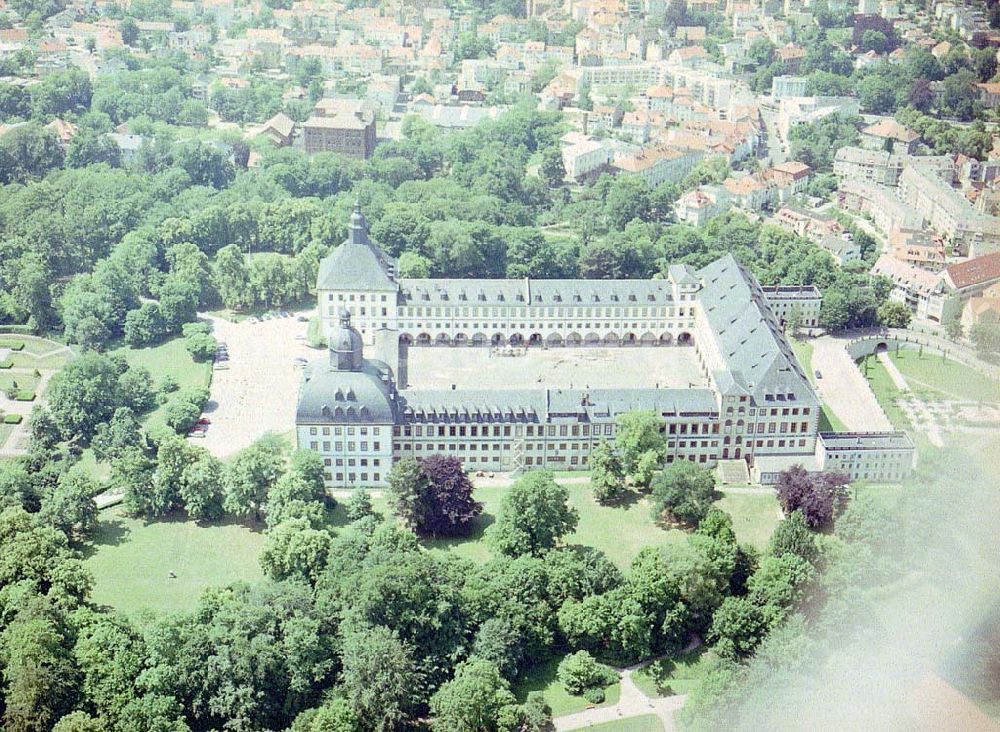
[885, 392]
[543, 678]
[755, 516]
[169, 358]
[619, 531]
[24, 381]
[929, 374]
[642, 723]
[670, 676]
[5, 432]
[131, 561]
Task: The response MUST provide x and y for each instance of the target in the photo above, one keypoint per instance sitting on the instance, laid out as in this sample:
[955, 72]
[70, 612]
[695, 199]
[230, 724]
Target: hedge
[25, 395]
[6, 364]
[12, 345]
[12, 419]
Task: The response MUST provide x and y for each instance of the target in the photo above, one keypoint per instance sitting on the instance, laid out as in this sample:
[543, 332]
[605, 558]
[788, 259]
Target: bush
[6, 364]
[201, 346]
[190, 329]
[181, 415]
[168, 384]
[25, 395]
[579, 672]
[594, 696]
[12, 419]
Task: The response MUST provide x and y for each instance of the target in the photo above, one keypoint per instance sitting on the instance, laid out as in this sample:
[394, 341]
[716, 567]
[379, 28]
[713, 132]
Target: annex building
[357, 412]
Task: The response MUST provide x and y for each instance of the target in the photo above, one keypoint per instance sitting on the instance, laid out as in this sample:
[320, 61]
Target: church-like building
[352, 411]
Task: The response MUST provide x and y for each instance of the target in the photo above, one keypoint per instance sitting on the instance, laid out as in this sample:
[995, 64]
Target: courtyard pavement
[259, 390]
[844, 389]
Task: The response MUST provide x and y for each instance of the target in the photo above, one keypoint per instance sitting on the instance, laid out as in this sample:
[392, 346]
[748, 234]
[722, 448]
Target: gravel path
[631, 703]
[894, 373]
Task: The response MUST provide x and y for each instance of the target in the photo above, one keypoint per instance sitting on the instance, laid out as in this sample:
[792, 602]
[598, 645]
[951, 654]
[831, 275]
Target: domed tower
[346, 350]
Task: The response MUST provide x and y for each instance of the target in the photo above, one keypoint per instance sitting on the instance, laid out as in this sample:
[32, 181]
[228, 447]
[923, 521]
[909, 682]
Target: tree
[84, 394]
[478, 699]
[414, 265]
[579, 672]
[112, 438]
[144, 325]
[877, 95]
[359, 506]
[250, 475]
[641, 445]
[28, 152]
[873, 40]
[38, 674]
[893, 314]
[295, 550]
[201, 346]
[70, 507]
[552, 168]
[129, 30]
[607, 476]
[793, 536]
[684, 491]
[79, 722]
[334, 716]
[378, 678]
[232, 278]
[201, 486]
[985, 335]
[534, 515]
[820, 497]
[433, 495]
[738, 627]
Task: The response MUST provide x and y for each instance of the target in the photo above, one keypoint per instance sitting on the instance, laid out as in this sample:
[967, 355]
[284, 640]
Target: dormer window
[482, 297]
[631, 298]
[351, 396]
[577, 298]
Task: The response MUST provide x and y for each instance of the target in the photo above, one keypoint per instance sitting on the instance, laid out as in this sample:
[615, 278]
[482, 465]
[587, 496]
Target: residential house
[842, 248]
[921, 291]
[658, 164]
[918, 247]
[887, 134]
[280, 130]
[341, 126]
[983, 307]
[698, 206]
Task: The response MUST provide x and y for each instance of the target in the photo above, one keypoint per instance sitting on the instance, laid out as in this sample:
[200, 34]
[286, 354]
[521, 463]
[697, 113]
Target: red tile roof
[975, 271]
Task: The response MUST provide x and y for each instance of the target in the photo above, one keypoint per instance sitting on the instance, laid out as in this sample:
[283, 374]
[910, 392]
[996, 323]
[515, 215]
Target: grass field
[928, 374]
[619, 531]
[669, 676]
[885, 392]
[24, 381]
[642, 723]
[131, 561]
[755, 516]
[168, 359]
[543, 678]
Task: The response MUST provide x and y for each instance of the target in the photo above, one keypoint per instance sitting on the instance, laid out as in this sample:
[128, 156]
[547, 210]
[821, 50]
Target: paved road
[844, 388]
[631, 703]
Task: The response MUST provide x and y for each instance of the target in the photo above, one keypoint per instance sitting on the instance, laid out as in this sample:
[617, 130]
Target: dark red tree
[819, 496]
[448, 508]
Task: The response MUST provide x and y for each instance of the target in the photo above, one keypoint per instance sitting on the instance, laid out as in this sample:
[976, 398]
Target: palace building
[358, 413]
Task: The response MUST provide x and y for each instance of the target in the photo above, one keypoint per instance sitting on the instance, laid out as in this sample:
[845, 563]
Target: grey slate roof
[357, 264]
[536, 292]
[329, 396]
[546, 405]
[758, 358]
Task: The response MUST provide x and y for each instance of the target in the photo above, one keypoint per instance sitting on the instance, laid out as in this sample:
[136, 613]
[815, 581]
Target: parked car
[819, 375]
[302, 319]
[254, 319]
[197, 432]
[204, 421]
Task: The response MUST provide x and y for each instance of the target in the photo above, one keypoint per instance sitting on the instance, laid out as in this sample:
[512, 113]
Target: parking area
[585, 367]
[257, 391]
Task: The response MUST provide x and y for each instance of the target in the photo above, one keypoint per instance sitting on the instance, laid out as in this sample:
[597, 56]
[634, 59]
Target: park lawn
[950, 379]
[24, 381]
[642, 723]
[670, 676]
[168, 359]
[755, 516]
[885, 392]
[619, 531]
[131, 561]
[544, 678]
[25, 360]
[5, 432]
